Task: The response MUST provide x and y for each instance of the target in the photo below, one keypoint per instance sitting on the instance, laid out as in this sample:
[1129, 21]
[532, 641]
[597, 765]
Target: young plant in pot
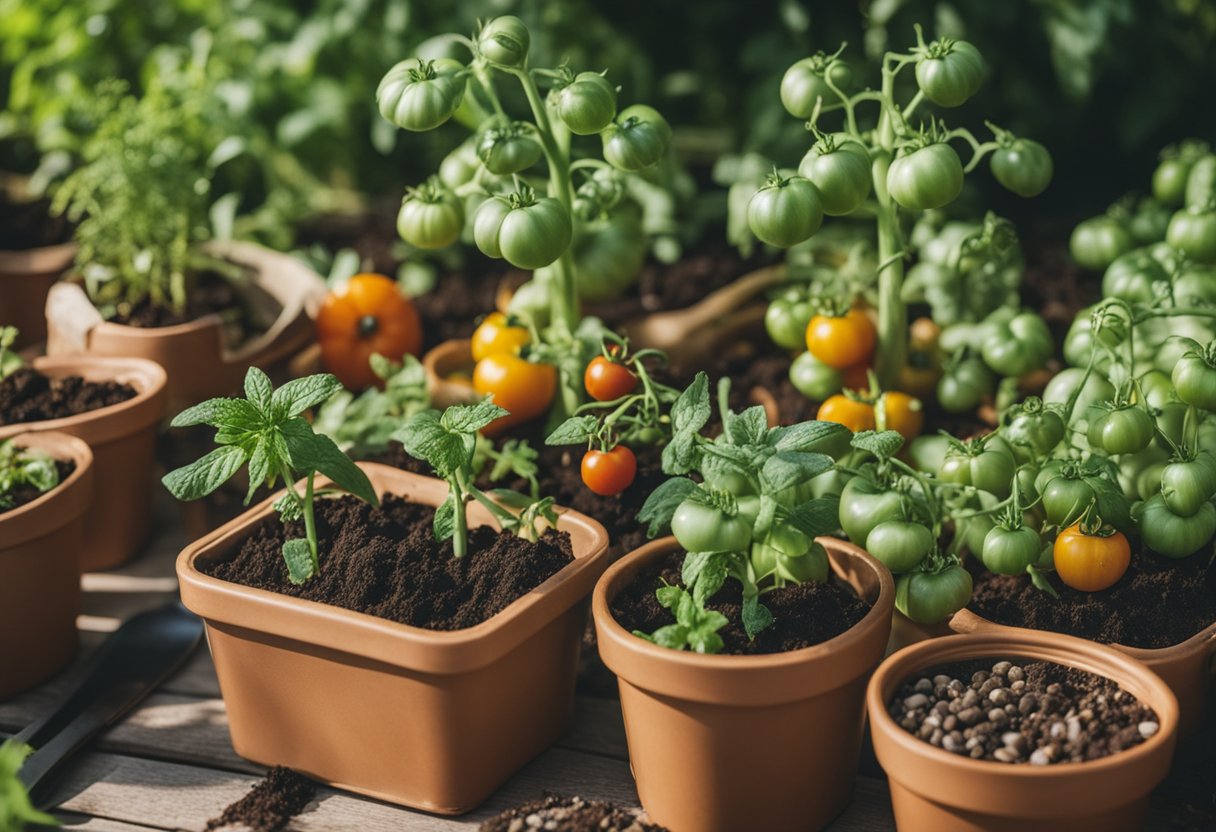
[718, 742]
[114, 405]
[147, 282]
[397, 605]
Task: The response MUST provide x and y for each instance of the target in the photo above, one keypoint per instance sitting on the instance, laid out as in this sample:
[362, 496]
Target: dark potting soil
[386, 562]
[26, 225]
[1158, 603]
[211, 294]
[270, 804]
[23, 494]
[803, 615]
[568, 814]
[1034, 712]
[27, 395]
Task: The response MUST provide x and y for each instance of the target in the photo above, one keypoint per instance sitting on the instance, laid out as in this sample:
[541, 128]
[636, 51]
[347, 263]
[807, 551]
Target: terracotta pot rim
[79, 452]
[201, 591]
[727, 663]
[19, 262]
[149, 385]
[1085, 655]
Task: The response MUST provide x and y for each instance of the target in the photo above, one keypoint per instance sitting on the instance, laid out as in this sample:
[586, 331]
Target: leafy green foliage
[363, 425]
[10, 361]
[695, 629]
[19, 467]
[267, 433]
[16, 811]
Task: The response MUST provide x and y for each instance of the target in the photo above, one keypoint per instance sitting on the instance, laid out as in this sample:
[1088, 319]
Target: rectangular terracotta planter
[432, 720]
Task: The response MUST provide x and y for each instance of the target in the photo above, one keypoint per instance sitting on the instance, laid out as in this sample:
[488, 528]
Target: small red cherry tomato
[609, 472]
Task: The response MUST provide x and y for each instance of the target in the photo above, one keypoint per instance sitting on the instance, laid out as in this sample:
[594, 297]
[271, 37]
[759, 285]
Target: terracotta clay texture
[198, 363]
[25, 279]
[40, 545]
[725, 743]
[123, 440]
[432, 720]
[935, 789]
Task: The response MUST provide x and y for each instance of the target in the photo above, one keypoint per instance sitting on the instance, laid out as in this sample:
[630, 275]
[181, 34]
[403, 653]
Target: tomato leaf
[704, 573]
[470, 418]
[680, 454]
[816, 517]
[298, 556]
[201, 477]
[425, 437]
[691, 410]
[258, 389]
[297, 396]
[1040, 581]
[883, 445]
[574, 431]
[789, 468]
[661, 505]
[812, 437]
[749, 427]
[756, 616]
[444, 524]
[1113, 505]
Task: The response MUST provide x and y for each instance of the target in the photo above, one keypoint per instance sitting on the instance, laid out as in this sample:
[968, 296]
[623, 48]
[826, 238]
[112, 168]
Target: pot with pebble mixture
[1014, 731]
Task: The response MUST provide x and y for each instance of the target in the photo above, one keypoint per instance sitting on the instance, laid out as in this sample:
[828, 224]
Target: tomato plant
[841, 341]
[786, 211]
[367, 316]
[1091, 559]
[607, 380]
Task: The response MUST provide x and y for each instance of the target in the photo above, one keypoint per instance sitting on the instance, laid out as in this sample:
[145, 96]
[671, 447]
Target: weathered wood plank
[83, 823]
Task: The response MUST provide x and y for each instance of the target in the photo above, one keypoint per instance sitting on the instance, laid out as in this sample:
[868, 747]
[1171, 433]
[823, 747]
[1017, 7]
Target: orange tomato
[902, 412]
[1090, 562]
[854, 415]
[843, 341]
[366, 316]
[523, 388]
[495, 336]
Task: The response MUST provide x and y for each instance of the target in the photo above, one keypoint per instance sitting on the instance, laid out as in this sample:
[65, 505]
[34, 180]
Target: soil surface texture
[803, 615]
[29, 396]
[568, 814]
[270, 804]
[1036, 712]
[386, 562]
[1160, 602]
[212, 294]
[23, 494]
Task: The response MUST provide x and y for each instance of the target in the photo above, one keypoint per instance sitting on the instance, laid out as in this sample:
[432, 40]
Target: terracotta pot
[123, 440]
[40, 544]
[727, 743]
[200, 365]
[433, 720]
[450, 358]
[934, 789]
[25, 279]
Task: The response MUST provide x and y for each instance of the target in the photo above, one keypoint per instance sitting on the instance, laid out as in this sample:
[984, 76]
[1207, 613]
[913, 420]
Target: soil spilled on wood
[569, 814]
[270, 804]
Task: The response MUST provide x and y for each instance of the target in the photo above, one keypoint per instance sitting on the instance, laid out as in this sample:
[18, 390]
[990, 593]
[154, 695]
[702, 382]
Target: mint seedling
[18, 467]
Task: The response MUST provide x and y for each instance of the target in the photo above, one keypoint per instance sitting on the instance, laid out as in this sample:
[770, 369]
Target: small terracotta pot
[433, 720]
[726, 743]
[195, 356]
[40, 544]
[934, 789]
[441, 363]
[25, 279]
[123, 440]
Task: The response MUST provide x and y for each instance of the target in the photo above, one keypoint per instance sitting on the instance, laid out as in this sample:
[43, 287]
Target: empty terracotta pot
[195, 355]
[123, 440]
[433, 720]
[25, 279]
[728, 743]
[933, 789]
[40, 545]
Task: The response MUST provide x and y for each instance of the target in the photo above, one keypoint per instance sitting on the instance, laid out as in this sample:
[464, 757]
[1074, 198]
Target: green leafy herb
[19, 467]
[267, 432]
[16, 811]
[696, 628]
[363, 425]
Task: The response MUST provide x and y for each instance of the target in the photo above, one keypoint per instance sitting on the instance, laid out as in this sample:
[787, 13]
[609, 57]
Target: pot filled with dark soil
[227, 327]
[767, 734]
[35, 249]
[113, 404]
[399, 671]
[1019, 730]
[41, 536]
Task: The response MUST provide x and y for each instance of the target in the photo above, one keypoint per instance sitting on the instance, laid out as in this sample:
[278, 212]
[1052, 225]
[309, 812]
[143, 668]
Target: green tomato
[1201, 182]
[840, 169]
[1169, 180]
[1194, 379]
[1170, 418]
[1096, 242]
[788, 554]
[785, 212]
[931, 597]
[949, 72]
[1196, 284]
[586, 105]
[702, 528]
[1079, 343]
[504, 41]
[507, 150]
[533, 301]
[1023, 166]
[928, 452]
[421, 95]
[1121, 430]
[726, 479]
[1157, 388]
[1172, 535]
[1131, 277]
[1187, 486]
[804, 83]
[1193, 231]
[985, 466]
[1009, 551]
[900, 544]
[1019, 346]
[786, 321]
[459, 167]
[1060, 389]
[963, 387]
[608, 256]
[430, 217]
[1065, 499]
[1148, 225]
[928, 178]
[1148, 482]
[636, 139]
[1036, 426]
[529, 233]
[863, 505]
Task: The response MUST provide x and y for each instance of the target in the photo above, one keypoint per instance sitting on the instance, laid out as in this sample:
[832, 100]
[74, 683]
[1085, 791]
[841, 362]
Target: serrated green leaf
[260, 469]
[816, 517]
[310, 451]
[691, 409]
[470, 418]
[756, 616]
[425, 438]
[236, 413]
[258, 389]
[786, 469]
[669, 596]
[704, 573]
[297, 396]
[661, 504]
[201, 477]
[1113, 505]
[883, 445]
[444, 524]
[814, 437]
[290, 506]
[671, 636]
[749, 427]
[298, 556]
[680, 454]
[576, 430]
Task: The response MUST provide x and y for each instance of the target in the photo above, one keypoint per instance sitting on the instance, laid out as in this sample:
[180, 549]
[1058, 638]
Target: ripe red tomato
[609, 472]
[607, 380]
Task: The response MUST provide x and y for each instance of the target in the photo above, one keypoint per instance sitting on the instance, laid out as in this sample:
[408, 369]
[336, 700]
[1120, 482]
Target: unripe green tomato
[1172, 535]
[927, 178]
[1193, 231]
[504, 41]
[608, 256]
[863, 505]
[1065, 500]
[1018, 347]
[1186, 486]
[803, 84]
[1060, 388]
[1131, 277]
[1195, 381]
[1169, 181]
[459, 167]
[841, 172]
[1097, 241]
[637, 139]
[533, 300]
[1124, 430]
[586, 105]
[507, 150]
[1023, 166]
[1009, 551]
[991, 469]
[1201, 182]
[785, 212]
[1195, 285]
[1148, 225]
[963, 387]
[900, 544]
[420, 95]
[950, 72]
[701, 528]
[786, 320]
[430, 218]
[528, 237]
[929, 598]
[814, 379]
[1038, 427]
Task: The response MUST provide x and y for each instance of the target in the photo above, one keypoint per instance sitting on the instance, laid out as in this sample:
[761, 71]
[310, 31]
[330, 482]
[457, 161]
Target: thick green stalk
[310, 525]
[460, 533]
[892, 315]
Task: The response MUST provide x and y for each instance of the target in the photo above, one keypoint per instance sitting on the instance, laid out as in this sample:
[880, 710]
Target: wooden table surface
[170, 765]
